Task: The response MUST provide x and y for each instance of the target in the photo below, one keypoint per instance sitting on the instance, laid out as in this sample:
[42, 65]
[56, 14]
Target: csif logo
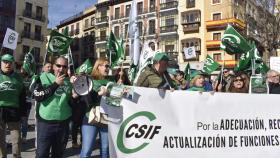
[136, 131]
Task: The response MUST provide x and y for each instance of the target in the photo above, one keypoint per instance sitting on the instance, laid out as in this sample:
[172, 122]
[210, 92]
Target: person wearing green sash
[53, 93]
[12, 105]
[95, 122]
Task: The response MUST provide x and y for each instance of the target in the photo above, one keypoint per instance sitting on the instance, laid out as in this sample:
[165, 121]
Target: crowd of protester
[56, 101]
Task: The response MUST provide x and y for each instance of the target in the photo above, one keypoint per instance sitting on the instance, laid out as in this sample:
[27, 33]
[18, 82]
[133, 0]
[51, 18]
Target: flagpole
[70, 56]
[223, 66]
[45, 57]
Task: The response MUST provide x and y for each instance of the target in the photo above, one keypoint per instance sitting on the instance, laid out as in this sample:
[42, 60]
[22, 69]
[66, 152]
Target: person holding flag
[156, 75]
[12, 105]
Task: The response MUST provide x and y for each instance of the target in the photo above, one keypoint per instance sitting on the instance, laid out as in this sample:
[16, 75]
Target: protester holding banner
[94, 121]
[53, 93]
[197, 83]
[273, 82]
[238, 84]
[121, 77]
[156, 75]
[12, 105]
[180, 82]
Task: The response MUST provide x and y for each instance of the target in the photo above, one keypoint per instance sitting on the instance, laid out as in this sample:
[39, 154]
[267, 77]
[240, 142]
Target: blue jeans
[51, 136]
[89, 133]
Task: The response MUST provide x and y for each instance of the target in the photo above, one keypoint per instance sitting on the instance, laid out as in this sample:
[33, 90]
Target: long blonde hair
[96, 75]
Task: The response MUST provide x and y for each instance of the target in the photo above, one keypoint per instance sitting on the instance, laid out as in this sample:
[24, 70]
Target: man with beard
[12, 105]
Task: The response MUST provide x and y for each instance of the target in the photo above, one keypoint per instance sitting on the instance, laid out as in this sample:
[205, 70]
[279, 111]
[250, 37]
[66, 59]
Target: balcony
[101, 39]
[152, 9]
[169, 5]
[210, 44]
[191, 27]
[77, 31]
[71, 33]
[221, 24]
[228, 63]
[32, 36]
[102, 19]
[189, 42]
[166, 29]
[34, 16]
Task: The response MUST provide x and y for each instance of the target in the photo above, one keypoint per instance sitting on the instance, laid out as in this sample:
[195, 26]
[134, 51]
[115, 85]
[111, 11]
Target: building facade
[31, 23]
[81, 28]
[7, 19]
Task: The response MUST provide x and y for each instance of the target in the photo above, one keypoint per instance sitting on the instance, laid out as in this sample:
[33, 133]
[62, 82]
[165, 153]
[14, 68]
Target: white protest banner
[10, 39]
[189, 52]
[275, 63]
[183, 124]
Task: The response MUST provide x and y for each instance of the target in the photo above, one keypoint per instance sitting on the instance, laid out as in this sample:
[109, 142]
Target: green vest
[10, 90]
[56, 107]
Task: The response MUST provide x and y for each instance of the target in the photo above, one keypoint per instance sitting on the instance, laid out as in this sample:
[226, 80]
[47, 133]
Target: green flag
[29, 64]
[59, 43]
[86, 67]
[233, 42]
[132, 72]
[246, 59]
[261, 68]
[187, 72]
[210, 65]
[115, 50]
[65, 31]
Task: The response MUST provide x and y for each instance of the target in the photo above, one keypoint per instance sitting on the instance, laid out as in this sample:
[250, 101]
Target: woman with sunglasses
[91, 127]
[239, 84]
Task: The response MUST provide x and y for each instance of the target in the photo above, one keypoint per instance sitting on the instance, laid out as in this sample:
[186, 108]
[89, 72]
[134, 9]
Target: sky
[62, 9]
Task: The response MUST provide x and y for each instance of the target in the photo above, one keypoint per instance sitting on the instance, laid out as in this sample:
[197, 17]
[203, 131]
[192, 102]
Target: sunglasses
[63, 66]
[6, 62]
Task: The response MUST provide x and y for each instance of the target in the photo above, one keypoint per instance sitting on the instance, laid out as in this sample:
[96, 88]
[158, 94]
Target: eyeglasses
[6, 62]
[106, 66]
[63, 66]
[241, 80]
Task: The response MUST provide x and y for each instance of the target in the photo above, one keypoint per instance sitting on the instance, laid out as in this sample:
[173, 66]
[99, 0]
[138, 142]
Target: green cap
[161, 56]
[7, 57]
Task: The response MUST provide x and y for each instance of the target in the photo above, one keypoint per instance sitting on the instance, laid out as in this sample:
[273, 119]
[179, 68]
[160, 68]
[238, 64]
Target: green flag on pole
[115, 51]
[59, 43]
[210, 65]
[187, 72]
[233, 42]
[86, 67]
[29, 64]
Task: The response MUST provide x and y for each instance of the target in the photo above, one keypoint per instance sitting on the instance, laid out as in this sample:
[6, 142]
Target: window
[77, 28]
[92, 21]
[152, 26]
[103, 12]
[86, 23]
[39, 13]
[217, 16]
[37, 54]
[27, 30]
[126, 29]
[217, 56]
[127, 10]
[190, 3]
[127, 50]
[152, 5]
[117, 13]
[140, 26]
[217, 36]
[25, 49]
[140, 7]
[216, 1]
[169, 22]
[38, 32]
[103, 35]
[117, 31]
[169, 48]
[28, 9]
